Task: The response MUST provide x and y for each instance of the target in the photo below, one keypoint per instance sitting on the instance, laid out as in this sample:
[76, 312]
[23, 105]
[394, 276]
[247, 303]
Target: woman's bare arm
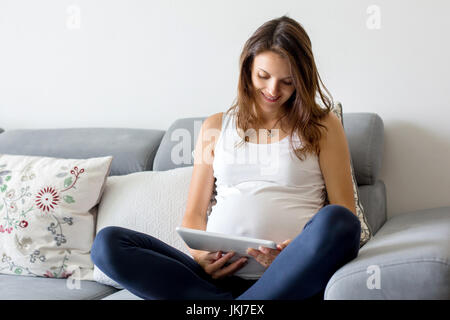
[202, 180]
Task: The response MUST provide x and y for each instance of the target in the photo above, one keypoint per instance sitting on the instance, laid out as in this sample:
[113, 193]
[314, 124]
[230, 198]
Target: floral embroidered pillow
[366, 233]
[46, 214]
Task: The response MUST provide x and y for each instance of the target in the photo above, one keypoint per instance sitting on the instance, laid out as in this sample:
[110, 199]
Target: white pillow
[46, 214]
[152, 202]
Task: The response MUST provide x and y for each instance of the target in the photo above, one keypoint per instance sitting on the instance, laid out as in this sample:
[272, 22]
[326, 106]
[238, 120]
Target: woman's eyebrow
[269, 73]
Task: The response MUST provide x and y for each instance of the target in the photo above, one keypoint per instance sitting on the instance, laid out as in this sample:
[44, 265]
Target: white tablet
[212, 241]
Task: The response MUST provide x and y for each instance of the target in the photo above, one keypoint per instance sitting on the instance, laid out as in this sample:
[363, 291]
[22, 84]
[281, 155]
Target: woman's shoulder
[333, 126]
[330, 121]
[214, 121]
[211, 127]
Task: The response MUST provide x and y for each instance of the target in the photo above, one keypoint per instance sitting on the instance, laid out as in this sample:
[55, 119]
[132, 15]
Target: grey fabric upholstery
[412, 251]
[37, 288]
[183, 131]
[122, 295]
[365, 135]
[133, 150]
[373, 199]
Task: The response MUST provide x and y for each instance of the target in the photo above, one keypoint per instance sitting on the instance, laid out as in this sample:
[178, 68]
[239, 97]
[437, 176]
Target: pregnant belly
[268, 215]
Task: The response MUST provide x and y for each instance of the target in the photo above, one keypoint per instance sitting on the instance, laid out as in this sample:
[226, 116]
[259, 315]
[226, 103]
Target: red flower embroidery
[47, 198]
[3, 230]
[23, 224]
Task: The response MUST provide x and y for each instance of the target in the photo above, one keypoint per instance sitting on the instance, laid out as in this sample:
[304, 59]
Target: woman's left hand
[265, 255]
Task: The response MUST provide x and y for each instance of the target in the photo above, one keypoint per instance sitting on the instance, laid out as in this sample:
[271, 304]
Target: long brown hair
[286, 37]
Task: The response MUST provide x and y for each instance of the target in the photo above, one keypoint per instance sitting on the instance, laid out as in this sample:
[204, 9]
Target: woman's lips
[269, 100]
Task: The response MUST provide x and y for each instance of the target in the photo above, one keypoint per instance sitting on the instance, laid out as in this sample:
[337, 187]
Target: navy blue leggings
[152, 269]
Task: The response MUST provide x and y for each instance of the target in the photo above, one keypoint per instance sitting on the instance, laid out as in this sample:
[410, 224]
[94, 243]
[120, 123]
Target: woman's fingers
[220, 262]
[230, 269]
[284, 244]
[215, 255]
[264, 259]
[270, 251]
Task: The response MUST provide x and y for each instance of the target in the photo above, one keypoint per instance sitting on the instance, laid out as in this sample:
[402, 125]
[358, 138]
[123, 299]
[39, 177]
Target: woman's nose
[273, 89]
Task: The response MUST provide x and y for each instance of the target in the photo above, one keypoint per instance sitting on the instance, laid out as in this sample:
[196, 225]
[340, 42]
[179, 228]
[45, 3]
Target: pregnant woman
[276, 156]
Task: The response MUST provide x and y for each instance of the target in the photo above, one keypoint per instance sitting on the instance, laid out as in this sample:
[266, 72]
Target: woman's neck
[270, 118]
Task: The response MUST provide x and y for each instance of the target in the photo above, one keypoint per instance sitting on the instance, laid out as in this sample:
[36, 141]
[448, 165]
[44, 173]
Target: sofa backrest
[137, 150]
[133, 150]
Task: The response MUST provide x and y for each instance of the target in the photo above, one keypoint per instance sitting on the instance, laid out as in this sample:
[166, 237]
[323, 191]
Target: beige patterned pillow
[46, 214]
[366, 233]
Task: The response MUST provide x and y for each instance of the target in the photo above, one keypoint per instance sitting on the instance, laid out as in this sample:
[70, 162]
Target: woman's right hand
[213, 263]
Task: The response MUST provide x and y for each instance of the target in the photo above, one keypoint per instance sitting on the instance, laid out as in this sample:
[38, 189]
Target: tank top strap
[228, 125]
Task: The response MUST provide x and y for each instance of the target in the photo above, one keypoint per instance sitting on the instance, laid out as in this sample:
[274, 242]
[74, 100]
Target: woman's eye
[286, 83]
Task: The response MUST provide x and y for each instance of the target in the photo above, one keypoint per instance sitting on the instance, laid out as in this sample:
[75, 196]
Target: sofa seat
[411, 252]
[40, 288]
[122, 295]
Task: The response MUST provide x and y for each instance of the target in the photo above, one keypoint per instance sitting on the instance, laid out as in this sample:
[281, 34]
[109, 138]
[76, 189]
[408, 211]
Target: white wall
[142, 64]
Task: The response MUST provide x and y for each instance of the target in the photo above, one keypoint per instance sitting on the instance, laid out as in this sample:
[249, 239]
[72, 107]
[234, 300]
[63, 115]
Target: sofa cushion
[47, 223]
[365, 135]
[122, 295]
[152, 202]
[133, 149]
[407, 259]
[373, 197]
[34, 288]
[178, 144]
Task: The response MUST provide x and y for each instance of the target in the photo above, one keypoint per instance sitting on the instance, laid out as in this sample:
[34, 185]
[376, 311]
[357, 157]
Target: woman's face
[271, 79]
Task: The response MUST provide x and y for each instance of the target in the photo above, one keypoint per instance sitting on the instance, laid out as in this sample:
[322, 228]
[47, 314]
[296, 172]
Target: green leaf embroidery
[18, 271]
[3, 188]
[68, 199]
[67, 182]
[8, 178]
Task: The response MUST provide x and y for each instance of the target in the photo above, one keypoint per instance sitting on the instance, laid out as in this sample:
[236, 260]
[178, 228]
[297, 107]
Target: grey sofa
[408, 257]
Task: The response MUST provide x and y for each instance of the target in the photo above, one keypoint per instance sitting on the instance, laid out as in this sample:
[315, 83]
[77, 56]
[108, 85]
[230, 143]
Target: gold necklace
[269, 131]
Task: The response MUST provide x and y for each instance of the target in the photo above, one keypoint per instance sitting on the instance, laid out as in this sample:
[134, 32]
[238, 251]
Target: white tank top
[263, 190]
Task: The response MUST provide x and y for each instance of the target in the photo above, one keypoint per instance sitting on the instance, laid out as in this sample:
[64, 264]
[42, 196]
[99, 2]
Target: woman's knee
[340, 221]
[105, 243]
